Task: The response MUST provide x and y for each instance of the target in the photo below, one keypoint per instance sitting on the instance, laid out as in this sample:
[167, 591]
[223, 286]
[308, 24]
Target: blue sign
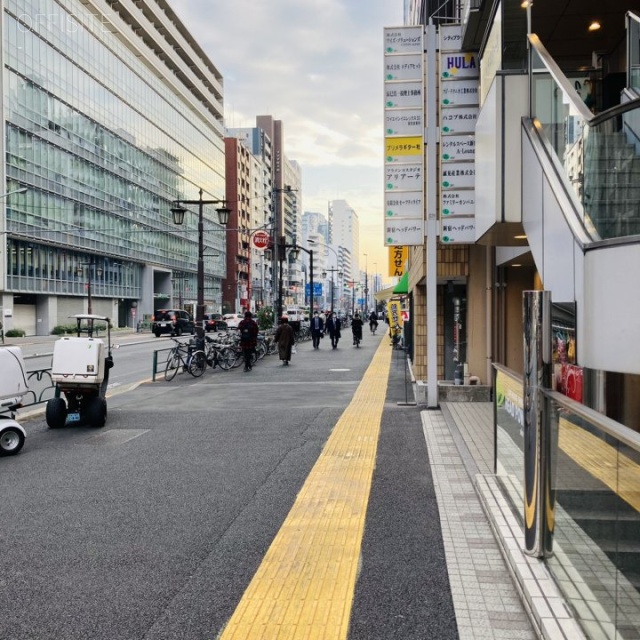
[361, 302]
[317, 289]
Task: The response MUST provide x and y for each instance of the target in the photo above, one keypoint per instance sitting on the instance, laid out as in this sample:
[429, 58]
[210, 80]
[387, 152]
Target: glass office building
[112, 112]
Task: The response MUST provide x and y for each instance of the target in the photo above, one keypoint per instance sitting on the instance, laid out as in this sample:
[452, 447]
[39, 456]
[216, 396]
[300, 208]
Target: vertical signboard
[398, 257]
[459, 79]
[404, 136]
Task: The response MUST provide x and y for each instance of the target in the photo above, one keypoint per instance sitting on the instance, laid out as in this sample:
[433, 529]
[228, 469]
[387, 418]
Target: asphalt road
[152, 527]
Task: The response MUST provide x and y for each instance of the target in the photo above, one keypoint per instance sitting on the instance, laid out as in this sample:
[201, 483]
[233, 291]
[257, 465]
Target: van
[296, 317]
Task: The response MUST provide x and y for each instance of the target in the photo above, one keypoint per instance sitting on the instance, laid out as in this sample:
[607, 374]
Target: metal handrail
[610, 427]
[562, 81]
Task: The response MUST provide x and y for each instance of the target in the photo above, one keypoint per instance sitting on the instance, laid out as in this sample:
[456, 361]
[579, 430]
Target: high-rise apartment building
[111, 113]
[261, 218]
[236, 285]
[285, 193]
[345, 239]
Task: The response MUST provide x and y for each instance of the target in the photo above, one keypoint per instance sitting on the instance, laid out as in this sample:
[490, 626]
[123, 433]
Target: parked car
[232, 319]
[214, 322]
[175, 322]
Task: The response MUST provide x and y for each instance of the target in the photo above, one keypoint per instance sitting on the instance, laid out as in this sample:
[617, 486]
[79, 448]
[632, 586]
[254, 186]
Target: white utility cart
[80, 372]
[13, 386]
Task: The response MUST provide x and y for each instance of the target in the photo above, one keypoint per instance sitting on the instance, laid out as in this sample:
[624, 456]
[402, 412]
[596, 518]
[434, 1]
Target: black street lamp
[294, 253]
[324, 275]
[178, 212]
[80, 271]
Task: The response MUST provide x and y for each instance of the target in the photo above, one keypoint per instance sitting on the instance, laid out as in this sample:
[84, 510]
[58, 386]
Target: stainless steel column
[538, 501]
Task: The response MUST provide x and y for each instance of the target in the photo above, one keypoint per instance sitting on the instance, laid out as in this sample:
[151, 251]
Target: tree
[265, 318]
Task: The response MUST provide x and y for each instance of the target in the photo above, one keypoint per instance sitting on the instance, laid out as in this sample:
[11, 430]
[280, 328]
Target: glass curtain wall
[104, 147]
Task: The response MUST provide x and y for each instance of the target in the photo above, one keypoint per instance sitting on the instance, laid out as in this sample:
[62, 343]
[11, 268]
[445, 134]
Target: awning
[402, 287]
[384, 294]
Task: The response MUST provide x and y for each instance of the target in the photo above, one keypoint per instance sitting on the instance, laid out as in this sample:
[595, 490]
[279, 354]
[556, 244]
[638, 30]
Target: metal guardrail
[41, 387]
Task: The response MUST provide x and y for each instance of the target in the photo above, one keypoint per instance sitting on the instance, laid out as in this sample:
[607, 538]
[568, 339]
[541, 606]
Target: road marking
[304, 586]
[115, 436]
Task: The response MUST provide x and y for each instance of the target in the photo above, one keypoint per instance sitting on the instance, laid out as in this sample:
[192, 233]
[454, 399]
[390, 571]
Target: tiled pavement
[498, 592]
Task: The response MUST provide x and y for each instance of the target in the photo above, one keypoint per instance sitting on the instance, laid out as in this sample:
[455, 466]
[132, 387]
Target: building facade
[112, 113]
[260, 205]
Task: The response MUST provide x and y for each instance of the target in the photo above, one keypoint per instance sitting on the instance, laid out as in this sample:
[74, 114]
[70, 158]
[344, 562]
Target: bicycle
[217, 354]
[183, 357]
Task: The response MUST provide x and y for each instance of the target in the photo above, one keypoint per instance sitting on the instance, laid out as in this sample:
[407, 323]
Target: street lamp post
[353, 298]
[178, 212]
[295, 250]
[99, 273]
[335, 253]
[366, 283]
[324, 275]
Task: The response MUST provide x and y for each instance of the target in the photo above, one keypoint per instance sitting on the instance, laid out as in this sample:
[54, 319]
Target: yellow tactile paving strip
[304, 587]
[602, 461]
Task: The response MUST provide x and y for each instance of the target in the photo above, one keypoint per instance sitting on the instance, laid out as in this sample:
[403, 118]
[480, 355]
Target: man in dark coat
[248, 329]
[317, 329]
[285, 339]
[333, 327]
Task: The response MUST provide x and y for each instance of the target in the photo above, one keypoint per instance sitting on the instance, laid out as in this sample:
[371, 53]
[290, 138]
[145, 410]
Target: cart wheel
[96, 411]
[11, 441]
[56, 413]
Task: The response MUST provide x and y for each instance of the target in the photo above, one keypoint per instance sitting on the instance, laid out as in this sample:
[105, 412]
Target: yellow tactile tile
[602, 461]
[305, 584]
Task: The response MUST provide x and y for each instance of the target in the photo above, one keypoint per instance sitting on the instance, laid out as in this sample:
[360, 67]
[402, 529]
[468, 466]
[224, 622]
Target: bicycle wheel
[173, 364]
[197, 364]
[238, 358]
[261, 350]
[226, 358]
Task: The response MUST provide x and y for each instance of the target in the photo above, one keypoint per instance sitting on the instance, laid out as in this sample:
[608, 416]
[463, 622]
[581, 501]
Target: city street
[153, 526]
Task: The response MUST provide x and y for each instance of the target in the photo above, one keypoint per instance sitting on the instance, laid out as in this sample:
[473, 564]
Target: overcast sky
[317, 66]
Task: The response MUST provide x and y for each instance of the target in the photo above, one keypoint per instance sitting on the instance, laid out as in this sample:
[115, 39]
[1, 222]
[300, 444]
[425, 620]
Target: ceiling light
[594, 26]
[516, 265]
[526, 4]
[522, 237]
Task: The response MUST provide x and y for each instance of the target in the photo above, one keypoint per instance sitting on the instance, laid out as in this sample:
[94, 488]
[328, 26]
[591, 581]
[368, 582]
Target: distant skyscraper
[345, 232]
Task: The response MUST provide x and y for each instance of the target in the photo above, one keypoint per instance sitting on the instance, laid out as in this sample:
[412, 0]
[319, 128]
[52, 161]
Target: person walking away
[333, 327]
[373, 322]
[317, 329]
[356, 329]
[285, 339]
[248, 329]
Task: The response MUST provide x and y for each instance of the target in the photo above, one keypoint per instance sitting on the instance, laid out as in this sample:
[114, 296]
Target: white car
[232, 320]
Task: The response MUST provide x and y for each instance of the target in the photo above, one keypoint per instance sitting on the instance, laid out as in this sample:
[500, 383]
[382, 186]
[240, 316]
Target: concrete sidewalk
[493, 582]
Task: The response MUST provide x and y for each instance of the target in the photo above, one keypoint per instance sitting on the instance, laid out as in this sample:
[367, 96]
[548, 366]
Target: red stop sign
[261, 240]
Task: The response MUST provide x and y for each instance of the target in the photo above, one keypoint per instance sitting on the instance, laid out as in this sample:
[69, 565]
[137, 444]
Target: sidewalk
[495, 586]
[497, 591]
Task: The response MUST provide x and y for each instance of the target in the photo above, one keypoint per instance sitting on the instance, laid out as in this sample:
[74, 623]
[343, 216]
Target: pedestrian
[373, 322]
[285, 339]
[333, 327]
[317, 329]
[248, 329]
[356, 329]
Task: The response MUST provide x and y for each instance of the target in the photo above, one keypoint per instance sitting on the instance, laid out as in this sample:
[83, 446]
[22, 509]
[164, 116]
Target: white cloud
[317, 66]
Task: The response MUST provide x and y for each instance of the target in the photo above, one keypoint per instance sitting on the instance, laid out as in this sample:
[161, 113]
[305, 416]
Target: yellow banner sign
[398, 257]
[394, 315]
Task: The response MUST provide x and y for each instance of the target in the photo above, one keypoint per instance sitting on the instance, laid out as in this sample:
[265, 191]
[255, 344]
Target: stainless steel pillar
[538, 492]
